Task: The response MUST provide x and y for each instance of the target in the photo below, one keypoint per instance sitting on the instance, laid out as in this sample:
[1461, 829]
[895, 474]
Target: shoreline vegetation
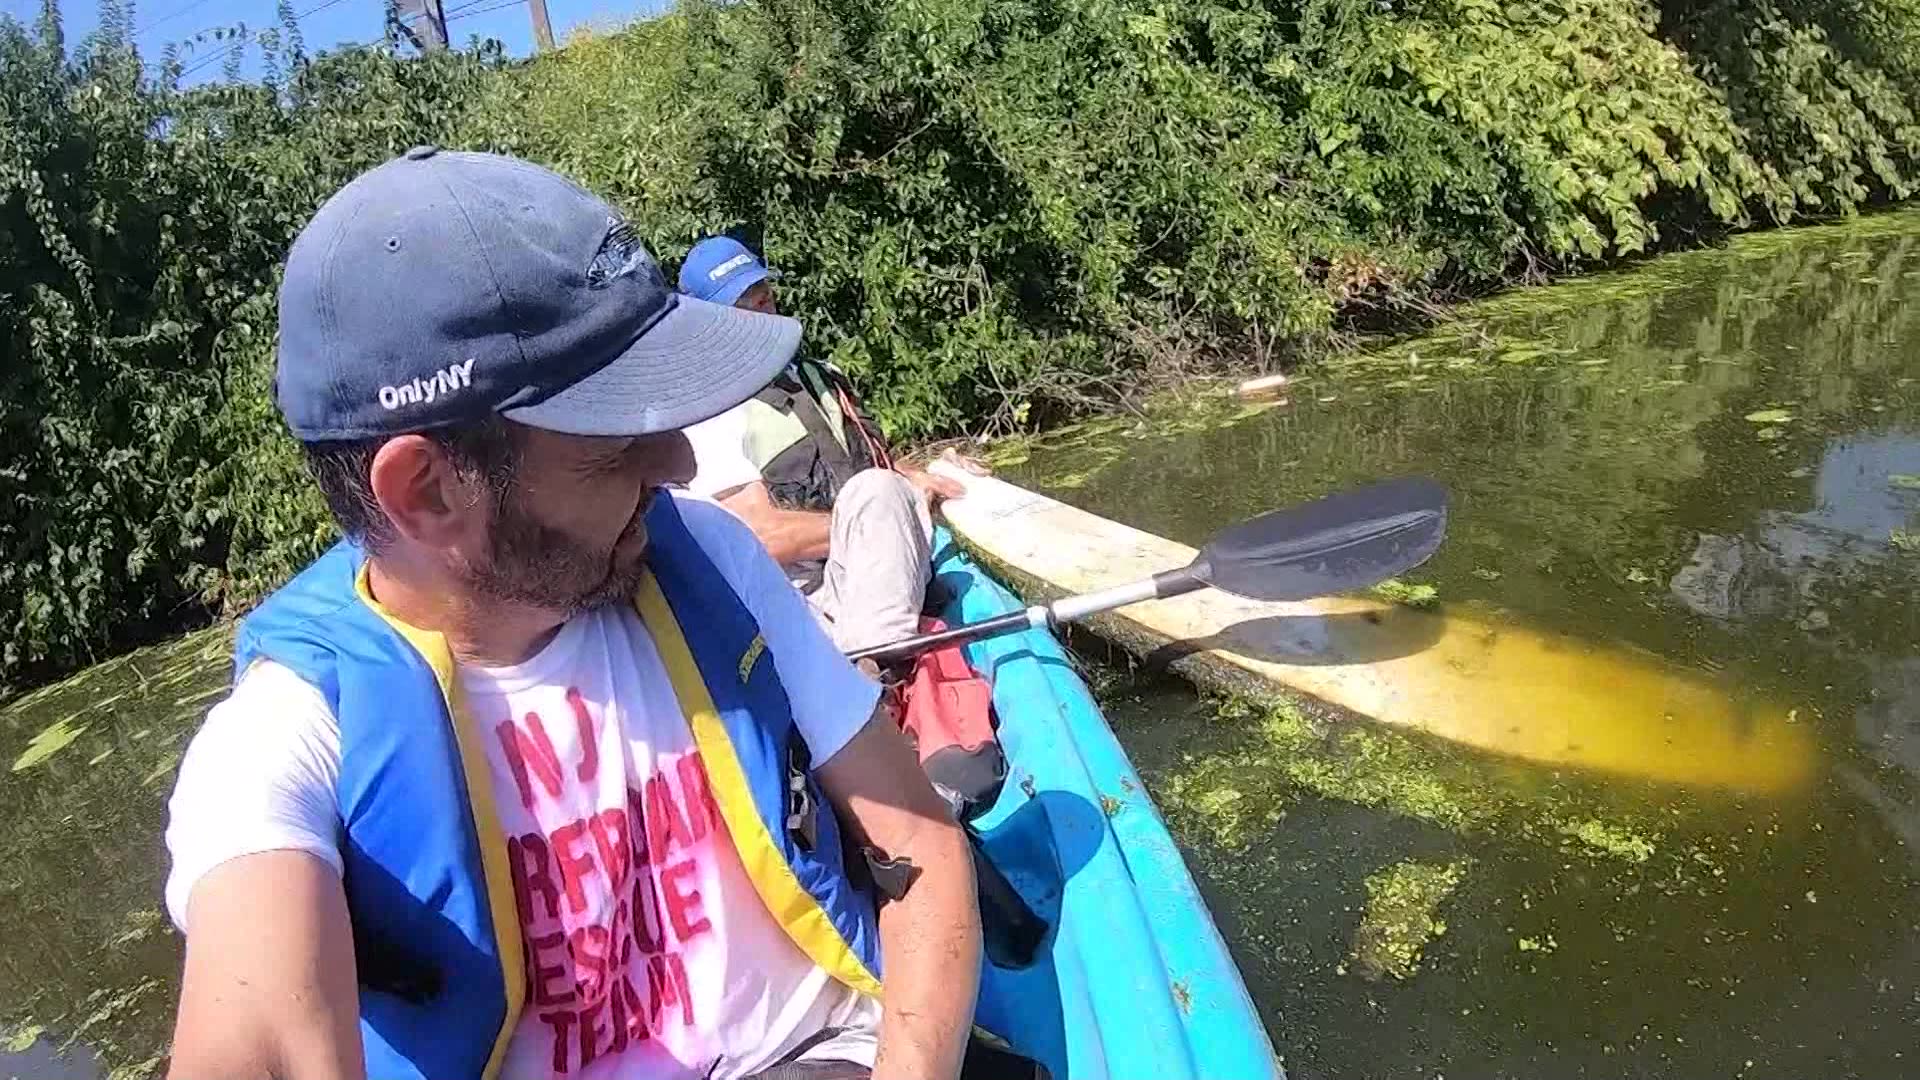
[996, 216]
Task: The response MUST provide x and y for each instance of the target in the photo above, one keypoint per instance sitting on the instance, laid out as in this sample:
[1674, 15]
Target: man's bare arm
[930, 937]
[790, 536]
[269, 989]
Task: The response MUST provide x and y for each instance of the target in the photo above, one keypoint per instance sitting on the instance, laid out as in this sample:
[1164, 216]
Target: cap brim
[737, 286]
[697, 362]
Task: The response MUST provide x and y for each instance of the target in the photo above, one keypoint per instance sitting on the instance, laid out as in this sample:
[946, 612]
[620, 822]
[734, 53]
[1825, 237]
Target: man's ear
[678, 454]
[420, 491]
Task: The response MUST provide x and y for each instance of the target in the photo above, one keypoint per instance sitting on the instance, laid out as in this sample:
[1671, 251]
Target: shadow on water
[1716, 460]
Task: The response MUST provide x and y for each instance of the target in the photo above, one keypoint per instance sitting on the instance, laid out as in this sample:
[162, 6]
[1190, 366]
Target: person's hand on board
[935, 487]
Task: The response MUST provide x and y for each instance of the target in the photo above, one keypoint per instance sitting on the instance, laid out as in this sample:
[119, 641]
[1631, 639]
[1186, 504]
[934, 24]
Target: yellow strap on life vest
[505, 915]
[795, 909]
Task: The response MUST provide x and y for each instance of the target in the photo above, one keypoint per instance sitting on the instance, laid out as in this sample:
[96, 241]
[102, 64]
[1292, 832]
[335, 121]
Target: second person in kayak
[809, 472]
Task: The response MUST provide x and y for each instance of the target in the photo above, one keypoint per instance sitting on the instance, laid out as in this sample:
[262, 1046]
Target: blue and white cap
[442, 286]
[720, 270]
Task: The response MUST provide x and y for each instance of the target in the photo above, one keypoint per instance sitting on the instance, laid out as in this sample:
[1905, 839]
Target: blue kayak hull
[1133, 980]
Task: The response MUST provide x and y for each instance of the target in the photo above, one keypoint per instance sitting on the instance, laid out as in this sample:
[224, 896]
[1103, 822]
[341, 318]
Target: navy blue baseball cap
[720, 270]
[442, 286]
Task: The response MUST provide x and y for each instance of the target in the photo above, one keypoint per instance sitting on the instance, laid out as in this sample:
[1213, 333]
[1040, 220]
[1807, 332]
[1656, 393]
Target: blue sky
[156, 22]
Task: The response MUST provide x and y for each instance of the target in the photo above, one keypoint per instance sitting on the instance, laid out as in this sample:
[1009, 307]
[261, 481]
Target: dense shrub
[1830, 129]
[140, 229]
[990, 212]
[107, 403]
[969, 198]
[1594, 127]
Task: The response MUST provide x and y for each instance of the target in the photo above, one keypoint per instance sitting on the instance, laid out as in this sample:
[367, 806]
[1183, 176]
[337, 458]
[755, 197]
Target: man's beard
[533, 564]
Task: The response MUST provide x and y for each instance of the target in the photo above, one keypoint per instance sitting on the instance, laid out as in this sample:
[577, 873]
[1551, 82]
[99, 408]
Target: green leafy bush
[146, 480]
[1830, 130]
[974, 203]
[107, 408]
[991, 213]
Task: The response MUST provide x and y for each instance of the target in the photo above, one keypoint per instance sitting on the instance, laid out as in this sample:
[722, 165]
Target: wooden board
[1490, 683]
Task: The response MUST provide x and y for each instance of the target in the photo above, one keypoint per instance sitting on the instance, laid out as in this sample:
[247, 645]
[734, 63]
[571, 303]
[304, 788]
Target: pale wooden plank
[1463, 674]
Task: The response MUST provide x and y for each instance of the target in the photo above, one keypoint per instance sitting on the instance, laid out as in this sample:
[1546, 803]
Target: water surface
[90, 965]
[1716, 458]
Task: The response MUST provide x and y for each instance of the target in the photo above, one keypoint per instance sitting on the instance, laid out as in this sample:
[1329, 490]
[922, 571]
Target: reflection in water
[1715, 460]
[41, 1060]
[1787, 559]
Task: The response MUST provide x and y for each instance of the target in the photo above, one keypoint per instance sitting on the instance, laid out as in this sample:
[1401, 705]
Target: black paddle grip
[1190, 578]
[914, 646]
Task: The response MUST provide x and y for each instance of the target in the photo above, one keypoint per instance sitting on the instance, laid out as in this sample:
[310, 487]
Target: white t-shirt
[721, 461]
[648, 951]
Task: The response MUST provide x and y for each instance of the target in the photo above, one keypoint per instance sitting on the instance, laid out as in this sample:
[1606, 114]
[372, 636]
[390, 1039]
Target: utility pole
[424, 22]
[542, 29]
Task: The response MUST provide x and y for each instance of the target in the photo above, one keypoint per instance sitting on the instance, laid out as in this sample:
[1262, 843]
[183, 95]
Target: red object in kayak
[949, 713]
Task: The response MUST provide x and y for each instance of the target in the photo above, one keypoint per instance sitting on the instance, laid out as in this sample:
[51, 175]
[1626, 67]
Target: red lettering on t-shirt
[666, 827]
[588, 947]
[548, 986]
[617, 1015]
[590, 1032]
[530, 746]
[696, 795]
[634, 1007]
[589, 743]
[683, 901]
[636, 822]
[616, 851]
[561, 1021]
[667, 981]
[622, 952]
[575, 860]
[649, 929]
[527, 856]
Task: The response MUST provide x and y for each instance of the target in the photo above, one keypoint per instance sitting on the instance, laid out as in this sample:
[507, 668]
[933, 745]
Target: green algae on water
[1402, 916]
[52, 739]
[1610, 924]
[1225, 798]
[89, 955]
[1406, 594]
[1608, 839]
[22, 1040]
[1222, 812]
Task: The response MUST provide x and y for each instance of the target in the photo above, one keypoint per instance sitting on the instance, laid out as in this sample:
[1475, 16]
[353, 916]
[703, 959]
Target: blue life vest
[436, 933]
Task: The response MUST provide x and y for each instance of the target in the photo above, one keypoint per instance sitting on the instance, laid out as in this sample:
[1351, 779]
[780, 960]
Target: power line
[246, 39]
[171, 15]
[468, 9]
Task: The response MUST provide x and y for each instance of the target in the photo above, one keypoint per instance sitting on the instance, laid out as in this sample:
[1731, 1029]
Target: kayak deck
[1133, 979]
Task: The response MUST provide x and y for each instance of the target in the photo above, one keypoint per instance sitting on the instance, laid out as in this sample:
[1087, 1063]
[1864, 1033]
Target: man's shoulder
[733, 550]
[721, 536]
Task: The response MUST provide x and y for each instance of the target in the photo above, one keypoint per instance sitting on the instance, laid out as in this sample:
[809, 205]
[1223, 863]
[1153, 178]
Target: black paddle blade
[1342, 543]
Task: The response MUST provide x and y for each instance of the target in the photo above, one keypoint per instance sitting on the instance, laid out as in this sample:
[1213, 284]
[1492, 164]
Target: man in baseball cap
[805, 467]
[542, 771]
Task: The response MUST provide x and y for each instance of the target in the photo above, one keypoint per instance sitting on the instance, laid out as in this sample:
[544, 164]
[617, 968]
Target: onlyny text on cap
[442, 285]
